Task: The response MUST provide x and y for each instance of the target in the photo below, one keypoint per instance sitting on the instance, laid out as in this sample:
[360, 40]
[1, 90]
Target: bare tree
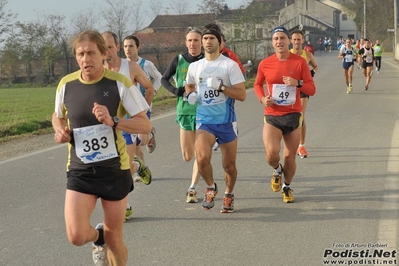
[6, 19]
[251, 27]
[155, 8]
[84, 20]
[58, 46]
[379, 17]
[179, 7]
[28, 36]
[9, 57]
[122, 17]
[211, 6]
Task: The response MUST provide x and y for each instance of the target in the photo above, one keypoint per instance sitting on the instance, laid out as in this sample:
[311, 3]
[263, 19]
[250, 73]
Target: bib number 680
[211, 94]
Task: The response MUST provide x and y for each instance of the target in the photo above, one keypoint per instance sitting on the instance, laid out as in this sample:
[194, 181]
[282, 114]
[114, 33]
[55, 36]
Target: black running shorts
[104, 182]
[366, 65]
[286, 123]
[303, 95]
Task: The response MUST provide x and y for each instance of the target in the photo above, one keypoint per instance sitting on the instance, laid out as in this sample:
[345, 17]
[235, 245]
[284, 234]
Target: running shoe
[136, 178]
[350, 88]
[143, 171]
[210, 194]
[276, 181]
[347, 91]
[100, 252]
[228, 203]
[128, 214]
[191, 196]
[152, 143]
[366, 87]
[302, 152]
[287, 195]
[378, 71]
[215, 146]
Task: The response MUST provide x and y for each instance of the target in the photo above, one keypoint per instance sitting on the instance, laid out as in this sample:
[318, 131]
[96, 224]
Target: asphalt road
[346, 191]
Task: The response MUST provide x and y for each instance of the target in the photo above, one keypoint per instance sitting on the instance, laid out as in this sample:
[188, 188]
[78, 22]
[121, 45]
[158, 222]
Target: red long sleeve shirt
[271, 71]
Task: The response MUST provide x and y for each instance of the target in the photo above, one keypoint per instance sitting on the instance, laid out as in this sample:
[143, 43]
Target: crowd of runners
[364, 55]
[103, 112]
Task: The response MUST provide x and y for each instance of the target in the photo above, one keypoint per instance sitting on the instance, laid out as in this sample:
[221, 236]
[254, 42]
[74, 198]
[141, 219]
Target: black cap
[281, 29]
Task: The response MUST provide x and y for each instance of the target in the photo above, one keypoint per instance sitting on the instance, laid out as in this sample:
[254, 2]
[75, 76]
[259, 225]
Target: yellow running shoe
[287, 195]
[128, 214]
[276, 181]
[143, 171]
[191, 196]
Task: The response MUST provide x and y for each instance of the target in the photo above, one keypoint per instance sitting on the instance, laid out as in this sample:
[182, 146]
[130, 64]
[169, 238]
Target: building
[248, 29]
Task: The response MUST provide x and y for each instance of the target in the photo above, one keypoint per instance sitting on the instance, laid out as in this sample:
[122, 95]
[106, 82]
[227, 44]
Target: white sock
[138, 166]
[278, 170]
[192, 186]
[212, 186]
[128, 206]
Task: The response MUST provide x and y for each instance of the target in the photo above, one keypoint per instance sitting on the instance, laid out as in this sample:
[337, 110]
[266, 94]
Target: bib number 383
[94, 143]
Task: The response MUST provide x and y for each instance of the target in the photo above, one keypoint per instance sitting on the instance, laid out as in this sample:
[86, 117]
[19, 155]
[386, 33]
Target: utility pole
[364, 19]
[396, 26]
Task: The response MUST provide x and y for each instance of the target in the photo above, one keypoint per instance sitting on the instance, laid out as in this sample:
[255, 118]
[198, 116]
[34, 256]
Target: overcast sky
[29, 10]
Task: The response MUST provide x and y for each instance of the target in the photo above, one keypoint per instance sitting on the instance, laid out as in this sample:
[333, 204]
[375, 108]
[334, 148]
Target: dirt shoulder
[33, 142]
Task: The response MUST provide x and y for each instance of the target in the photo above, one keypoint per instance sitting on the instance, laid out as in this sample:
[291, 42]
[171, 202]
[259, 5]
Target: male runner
[286, 75]
[297, 41]
[185, 113]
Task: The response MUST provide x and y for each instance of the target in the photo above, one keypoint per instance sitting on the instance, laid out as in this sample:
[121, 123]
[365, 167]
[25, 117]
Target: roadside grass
[27, 110]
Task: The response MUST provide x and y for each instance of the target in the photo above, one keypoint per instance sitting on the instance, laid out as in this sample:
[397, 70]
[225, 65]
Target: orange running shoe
[302, 152]
[228, 203]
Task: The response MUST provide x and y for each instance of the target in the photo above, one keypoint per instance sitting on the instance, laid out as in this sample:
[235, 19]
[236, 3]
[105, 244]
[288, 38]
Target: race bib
[349, 56]
[210, 96]
[283, 94]
[94, 143]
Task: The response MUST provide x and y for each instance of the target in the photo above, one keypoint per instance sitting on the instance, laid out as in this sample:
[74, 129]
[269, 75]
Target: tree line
[39, 51]
[375, 15]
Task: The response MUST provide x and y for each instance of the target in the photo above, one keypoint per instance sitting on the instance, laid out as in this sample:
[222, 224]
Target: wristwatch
[222, 88]
[300, 83]
[116, 121]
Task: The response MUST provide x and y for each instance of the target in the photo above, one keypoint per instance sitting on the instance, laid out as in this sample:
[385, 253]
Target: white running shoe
[215, 146]
[100, 252]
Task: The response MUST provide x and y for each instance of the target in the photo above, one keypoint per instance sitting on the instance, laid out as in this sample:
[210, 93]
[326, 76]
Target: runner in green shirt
[378, 50]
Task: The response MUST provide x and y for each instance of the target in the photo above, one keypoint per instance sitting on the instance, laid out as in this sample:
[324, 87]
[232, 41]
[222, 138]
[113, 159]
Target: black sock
[100, 241]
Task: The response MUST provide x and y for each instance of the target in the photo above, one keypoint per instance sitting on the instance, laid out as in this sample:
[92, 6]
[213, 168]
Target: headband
[213, 32]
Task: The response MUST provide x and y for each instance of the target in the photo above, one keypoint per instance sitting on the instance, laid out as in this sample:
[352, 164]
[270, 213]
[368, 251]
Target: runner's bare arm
[140, 77]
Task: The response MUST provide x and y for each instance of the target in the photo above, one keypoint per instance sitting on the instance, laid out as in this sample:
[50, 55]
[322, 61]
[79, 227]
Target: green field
[29, 110]
[25, 110]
